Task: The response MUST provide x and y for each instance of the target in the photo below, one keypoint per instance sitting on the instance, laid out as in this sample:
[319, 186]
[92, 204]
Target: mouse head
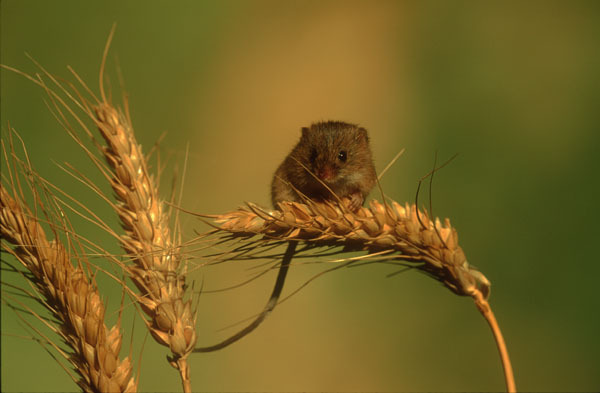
[334, 150]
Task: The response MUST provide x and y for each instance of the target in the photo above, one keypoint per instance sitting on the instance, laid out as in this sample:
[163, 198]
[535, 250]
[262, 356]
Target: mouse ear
[362, 135]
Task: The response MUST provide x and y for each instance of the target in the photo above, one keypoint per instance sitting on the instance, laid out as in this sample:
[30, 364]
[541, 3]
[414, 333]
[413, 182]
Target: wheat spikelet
[156, 272]
[408, 232]
[73, 299]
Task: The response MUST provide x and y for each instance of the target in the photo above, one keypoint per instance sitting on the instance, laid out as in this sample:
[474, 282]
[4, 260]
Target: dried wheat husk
[71, 296]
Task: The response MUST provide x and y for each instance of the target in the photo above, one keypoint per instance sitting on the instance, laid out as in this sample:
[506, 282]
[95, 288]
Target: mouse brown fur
[332, 152]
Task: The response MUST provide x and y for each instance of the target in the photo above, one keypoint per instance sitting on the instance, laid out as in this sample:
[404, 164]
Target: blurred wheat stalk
[389, 232]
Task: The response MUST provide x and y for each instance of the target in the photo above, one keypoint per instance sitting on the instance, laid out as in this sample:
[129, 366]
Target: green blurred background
[513, 87]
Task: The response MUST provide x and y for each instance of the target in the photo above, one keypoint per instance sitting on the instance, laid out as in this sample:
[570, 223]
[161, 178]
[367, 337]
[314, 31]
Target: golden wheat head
[156, 271]
[72, 297]
[408, 232]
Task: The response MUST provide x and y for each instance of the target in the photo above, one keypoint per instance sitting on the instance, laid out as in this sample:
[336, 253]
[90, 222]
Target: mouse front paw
[356, 201]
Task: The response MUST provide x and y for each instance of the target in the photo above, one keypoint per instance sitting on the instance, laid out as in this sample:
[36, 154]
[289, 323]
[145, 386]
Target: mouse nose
[326, 173]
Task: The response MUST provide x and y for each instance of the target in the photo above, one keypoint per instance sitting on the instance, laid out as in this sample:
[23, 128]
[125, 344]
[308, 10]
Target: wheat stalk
[389, 231]
[71, 296]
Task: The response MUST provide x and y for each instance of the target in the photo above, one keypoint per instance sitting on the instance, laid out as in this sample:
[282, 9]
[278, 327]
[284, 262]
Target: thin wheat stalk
[72, 298]
[412, 236]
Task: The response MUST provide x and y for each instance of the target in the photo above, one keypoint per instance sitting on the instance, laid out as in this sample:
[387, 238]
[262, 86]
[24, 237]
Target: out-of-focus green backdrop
[513, 87]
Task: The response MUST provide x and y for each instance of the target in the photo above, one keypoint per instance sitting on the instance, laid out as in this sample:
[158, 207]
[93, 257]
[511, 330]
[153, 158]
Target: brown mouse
[332, 152]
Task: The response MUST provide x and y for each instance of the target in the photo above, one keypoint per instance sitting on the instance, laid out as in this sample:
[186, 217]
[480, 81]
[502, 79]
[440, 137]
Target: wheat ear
[404, 230]
[390, 231]
[156, 271]
[71, 296]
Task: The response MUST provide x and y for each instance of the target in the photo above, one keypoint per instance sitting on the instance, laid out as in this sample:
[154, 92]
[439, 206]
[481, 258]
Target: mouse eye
[342, 156]
[313, 155]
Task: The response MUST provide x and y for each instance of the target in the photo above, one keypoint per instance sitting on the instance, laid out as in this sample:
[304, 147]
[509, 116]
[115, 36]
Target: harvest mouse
[331, 152]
